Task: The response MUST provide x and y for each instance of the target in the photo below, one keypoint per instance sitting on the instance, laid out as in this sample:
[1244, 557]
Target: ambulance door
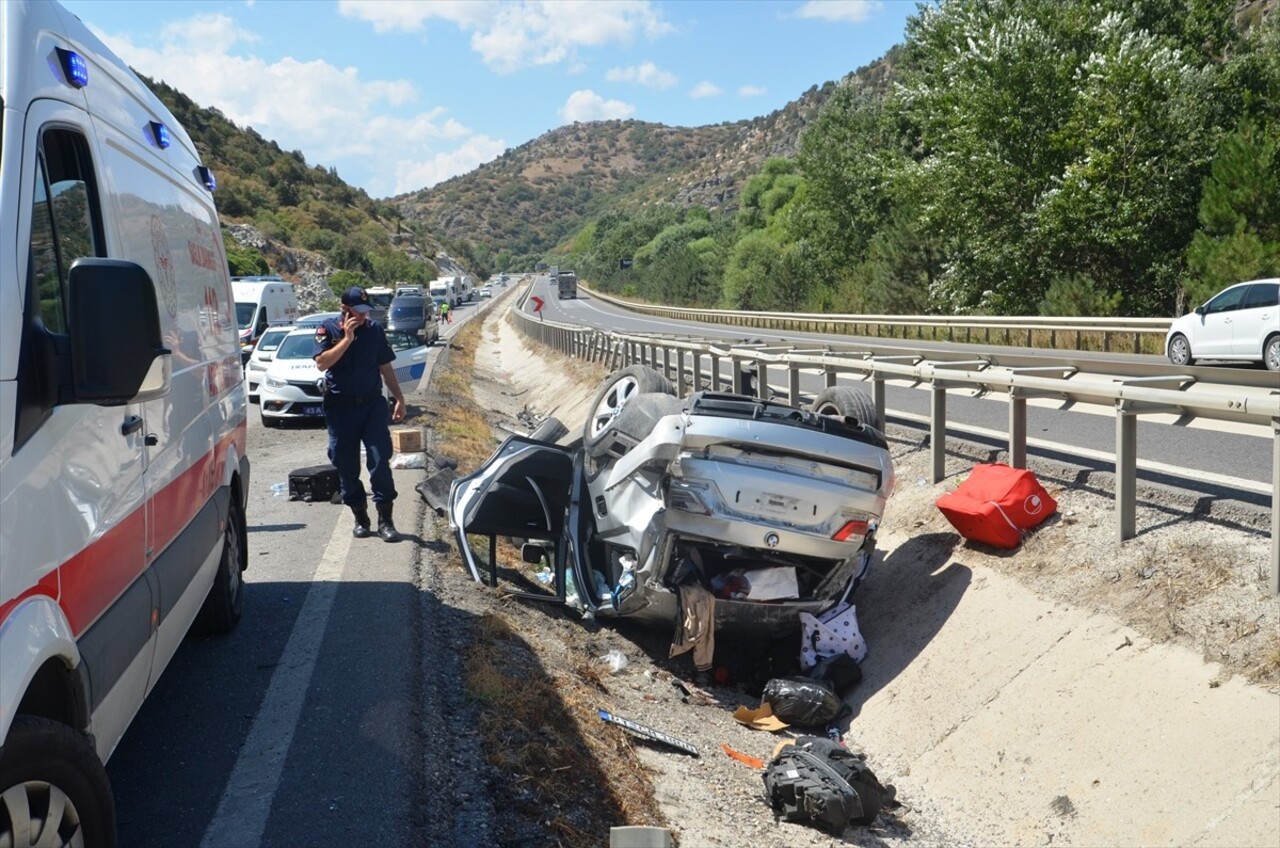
[73, 492]
[159, 231]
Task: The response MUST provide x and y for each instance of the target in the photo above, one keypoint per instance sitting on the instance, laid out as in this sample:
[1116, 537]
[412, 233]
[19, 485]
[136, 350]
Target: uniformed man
[356, 360]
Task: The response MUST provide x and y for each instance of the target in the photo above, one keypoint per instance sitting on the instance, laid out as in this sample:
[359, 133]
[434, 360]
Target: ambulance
[123, 470]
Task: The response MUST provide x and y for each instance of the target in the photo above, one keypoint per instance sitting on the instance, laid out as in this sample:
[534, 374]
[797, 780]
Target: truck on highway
[566, 285]
[446, 287]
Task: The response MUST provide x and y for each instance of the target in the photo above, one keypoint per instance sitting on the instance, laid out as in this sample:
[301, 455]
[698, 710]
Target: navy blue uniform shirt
[356, 373]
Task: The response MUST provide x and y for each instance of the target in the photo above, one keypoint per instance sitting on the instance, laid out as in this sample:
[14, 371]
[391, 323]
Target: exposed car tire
[53, 788]
[1271, 354]
[269, 420]
[612, 397]
[225, 602]
[846, 402]
[1180, 350]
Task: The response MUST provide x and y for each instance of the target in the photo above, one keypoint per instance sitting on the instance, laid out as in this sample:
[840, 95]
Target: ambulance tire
[41, 754]
[222, 608]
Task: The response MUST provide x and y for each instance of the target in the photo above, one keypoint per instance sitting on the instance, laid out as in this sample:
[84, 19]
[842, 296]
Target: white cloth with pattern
[830, 634]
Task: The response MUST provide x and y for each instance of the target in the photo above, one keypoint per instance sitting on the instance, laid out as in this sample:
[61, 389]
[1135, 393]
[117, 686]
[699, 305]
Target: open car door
[529, 491]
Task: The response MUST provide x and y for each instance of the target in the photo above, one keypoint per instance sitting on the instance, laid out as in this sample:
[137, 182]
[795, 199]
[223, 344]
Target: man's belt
[331, 399]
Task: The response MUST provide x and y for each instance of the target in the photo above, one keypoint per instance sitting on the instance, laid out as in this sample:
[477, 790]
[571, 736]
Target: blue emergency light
[161, 134]
[74, 67]
[207, 177]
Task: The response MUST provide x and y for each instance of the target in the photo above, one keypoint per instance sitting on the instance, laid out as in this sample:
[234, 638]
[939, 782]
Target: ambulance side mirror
[114, 329]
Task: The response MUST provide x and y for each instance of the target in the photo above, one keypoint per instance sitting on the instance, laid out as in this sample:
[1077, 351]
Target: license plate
[313, 409]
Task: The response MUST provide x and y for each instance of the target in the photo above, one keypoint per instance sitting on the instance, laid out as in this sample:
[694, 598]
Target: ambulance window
[65, 223]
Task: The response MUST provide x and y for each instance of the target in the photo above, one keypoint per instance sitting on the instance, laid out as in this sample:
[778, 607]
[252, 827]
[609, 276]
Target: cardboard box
[406, 440]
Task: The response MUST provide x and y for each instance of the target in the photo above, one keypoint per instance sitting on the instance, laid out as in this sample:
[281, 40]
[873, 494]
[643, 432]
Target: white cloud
[647, 74]
[477, 150]
[850, 11]
[333, 114]
[586, 105]
[705, 89]
[509, 36]
[751, 91]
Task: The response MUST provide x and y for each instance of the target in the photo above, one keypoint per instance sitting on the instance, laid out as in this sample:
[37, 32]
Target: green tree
[1239, 235]
[340, 281]
[1078, 295]
[243, 261]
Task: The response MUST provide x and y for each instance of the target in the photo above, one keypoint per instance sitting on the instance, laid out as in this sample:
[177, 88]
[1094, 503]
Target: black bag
[316, 483]
[802, 700]
[820, 782]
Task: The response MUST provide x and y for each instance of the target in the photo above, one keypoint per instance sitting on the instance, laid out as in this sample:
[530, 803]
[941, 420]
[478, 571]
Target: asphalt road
[319, 721]
[1215, 456]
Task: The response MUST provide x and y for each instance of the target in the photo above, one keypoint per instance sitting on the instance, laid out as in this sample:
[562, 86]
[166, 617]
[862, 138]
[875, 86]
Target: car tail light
[856, 527]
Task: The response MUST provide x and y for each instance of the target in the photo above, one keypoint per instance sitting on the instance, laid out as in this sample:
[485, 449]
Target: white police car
[293, 387]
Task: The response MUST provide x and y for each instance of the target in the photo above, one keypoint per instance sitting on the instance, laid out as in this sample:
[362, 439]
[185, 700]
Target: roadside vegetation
[1119, 157]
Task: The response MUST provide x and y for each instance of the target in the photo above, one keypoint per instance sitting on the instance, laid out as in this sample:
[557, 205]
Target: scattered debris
[648, 732]
[761, 718]
[754, 762]
[1126, 643]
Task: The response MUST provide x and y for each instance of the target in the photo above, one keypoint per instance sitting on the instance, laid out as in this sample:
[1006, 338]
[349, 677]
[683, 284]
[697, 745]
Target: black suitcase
[316, 483]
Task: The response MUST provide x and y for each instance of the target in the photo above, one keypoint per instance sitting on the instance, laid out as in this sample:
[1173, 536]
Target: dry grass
[566, 774]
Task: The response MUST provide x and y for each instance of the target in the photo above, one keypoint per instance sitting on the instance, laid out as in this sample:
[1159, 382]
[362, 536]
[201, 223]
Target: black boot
[361, 530]
[386, 529]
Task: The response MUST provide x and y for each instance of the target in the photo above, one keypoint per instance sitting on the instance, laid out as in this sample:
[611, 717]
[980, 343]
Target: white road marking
[245, 805]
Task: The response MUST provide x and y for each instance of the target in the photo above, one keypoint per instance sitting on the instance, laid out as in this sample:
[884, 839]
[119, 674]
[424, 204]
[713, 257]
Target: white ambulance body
[123, 471]
[262, 302]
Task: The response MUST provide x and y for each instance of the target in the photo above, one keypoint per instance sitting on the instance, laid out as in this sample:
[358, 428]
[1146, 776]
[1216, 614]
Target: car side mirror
[1202, 310]
[532, 553]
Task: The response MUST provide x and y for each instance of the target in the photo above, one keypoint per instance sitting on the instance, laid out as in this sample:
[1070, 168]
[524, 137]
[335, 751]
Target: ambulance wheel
[221, 611]
[53, 788]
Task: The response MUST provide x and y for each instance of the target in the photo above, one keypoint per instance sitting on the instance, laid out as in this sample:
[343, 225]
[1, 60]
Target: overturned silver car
[771, 508]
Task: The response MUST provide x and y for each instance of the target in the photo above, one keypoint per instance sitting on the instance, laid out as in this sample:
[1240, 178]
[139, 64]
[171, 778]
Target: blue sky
[401, 94]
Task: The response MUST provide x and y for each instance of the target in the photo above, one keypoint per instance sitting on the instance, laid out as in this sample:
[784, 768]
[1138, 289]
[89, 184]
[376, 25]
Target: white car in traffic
[263, 353]
[1239, 323]
[293, 387]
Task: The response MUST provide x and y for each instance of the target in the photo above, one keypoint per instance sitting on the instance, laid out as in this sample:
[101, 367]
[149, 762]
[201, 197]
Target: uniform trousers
[349, 426]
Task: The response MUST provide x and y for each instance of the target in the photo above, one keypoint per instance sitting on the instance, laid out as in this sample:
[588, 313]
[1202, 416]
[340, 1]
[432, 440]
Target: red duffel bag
[996, 504]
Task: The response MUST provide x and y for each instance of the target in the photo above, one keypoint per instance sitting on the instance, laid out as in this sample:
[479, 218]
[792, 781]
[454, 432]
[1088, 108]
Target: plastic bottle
[279, 489]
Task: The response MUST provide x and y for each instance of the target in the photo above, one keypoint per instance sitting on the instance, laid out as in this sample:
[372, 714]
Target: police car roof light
[161, 134]
[74, 67]
[207, 177]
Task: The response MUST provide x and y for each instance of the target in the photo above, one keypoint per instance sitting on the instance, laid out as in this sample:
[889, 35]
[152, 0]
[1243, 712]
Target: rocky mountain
[532, 197]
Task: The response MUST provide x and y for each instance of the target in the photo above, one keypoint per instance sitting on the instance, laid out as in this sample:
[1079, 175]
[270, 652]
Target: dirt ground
[1192, 584]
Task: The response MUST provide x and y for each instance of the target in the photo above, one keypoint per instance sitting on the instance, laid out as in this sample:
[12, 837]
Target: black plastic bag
[801, 700]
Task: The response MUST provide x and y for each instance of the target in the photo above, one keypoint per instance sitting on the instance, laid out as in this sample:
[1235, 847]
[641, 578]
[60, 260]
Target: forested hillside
[307, 208]
[1034, 156]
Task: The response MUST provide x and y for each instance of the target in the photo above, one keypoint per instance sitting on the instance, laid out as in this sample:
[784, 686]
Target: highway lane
[1221, 455]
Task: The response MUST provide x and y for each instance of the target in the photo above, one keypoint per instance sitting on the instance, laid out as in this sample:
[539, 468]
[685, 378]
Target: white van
[123, 471]
[445, 287]
[262, 302]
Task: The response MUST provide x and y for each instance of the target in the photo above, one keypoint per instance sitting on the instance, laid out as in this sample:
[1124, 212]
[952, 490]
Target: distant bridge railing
[694, 363]
[1112, 335]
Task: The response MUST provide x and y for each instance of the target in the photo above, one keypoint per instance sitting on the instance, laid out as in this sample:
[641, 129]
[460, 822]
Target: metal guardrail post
[697, 370]
[682, 381]
[653, 356]
[1275, 509]
[735, 364]
[938, 431]
[1126, 472]
[793, 386]
[1017, 429]
[830, 378]
[666, 365]
[880, 395]
[762, 380]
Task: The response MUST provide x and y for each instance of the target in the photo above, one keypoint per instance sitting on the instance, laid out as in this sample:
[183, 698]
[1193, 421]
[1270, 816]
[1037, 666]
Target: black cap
[357, 299]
